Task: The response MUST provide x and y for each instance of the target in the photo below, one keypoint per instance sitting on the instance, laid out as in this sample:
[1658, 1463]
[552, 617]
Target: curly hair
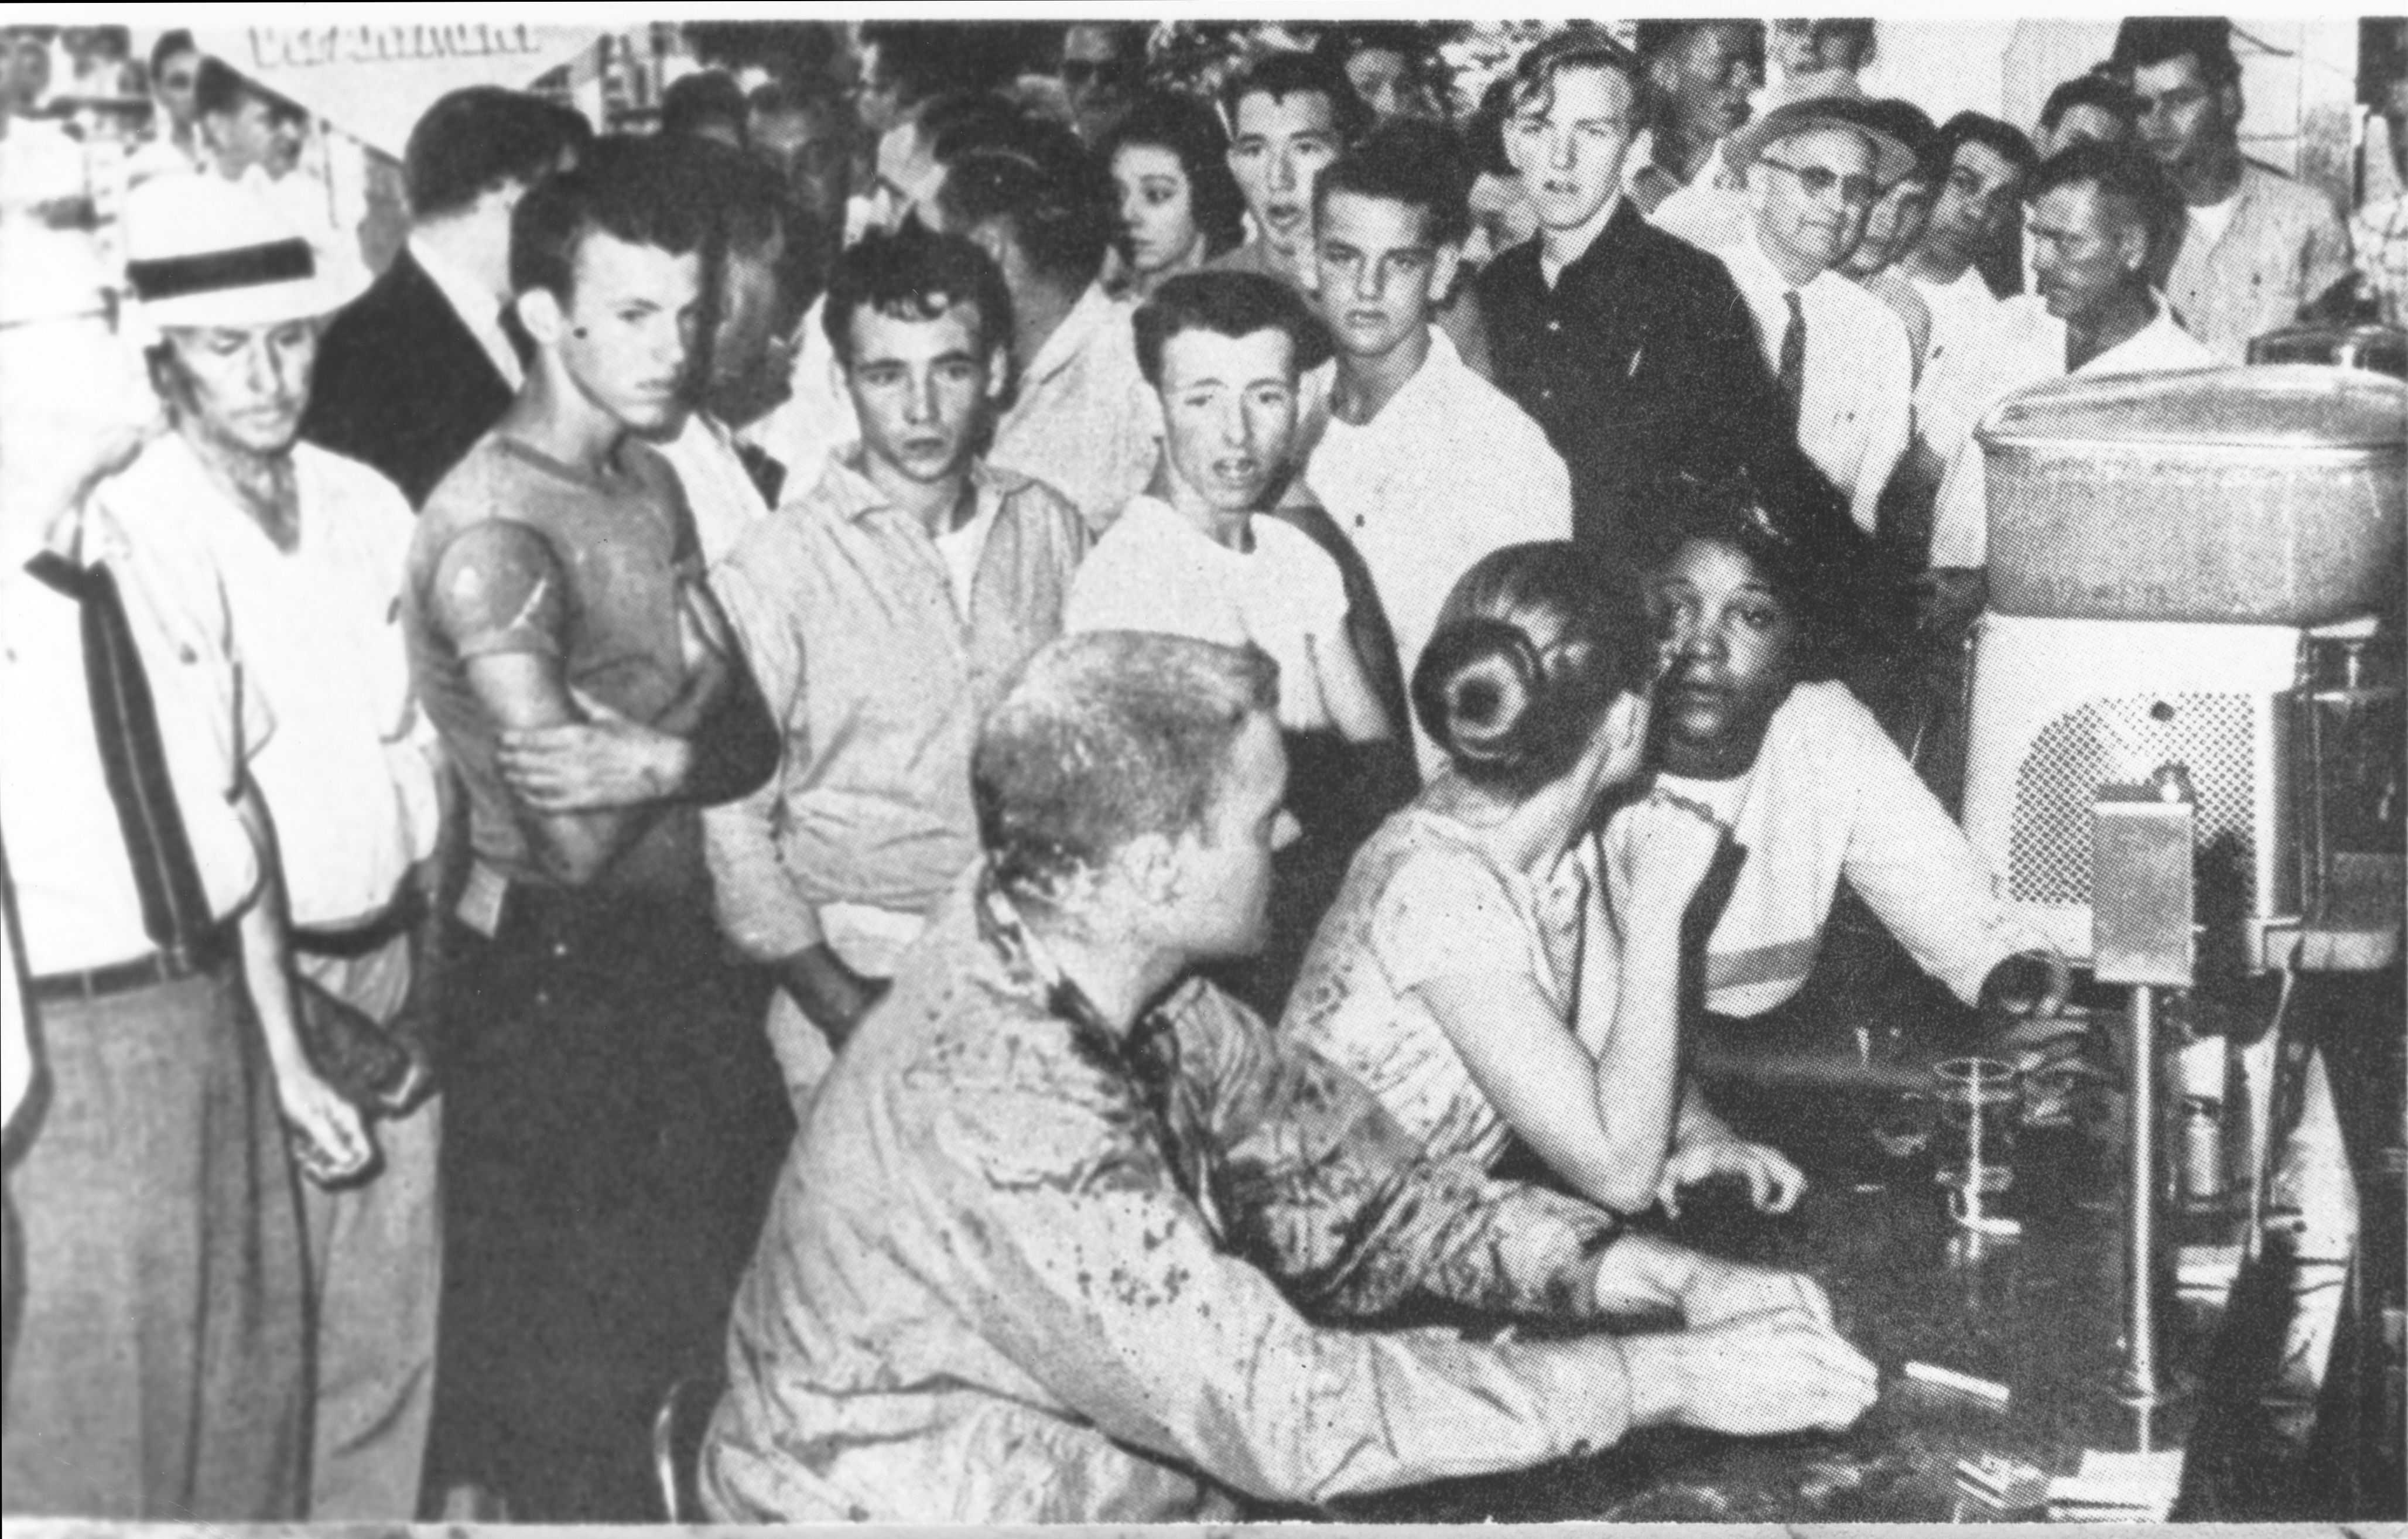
[1192, 132]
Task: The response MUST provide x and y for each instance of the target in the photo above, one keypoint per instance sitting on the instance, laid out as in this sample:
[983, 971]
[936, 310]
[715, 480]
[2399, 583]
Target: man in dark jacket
[413, 372]
[1632, 347]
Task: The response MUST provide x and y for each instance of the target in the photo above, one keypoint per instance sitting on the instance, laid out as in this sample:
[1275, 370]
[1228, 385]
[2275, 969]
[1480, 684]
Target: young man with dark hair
[413, 372]
[1224, 351]
[567, 646]
[884, 610]
[1290, 114]
[1068, 1232]
[1631, 347]
[1699, 75]
[2094, 104]
[1985, 162]
[1082, 416]
[1424, 466]
[2259, 246]
[2099, 216]
[707, 104]
[236, 120]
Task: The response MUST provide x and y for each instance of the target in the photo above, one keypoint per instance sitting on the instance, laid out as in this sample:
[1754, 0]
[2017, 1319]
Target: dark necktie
[133, 757]
[1793, 357]
[768, 472]
[522, 340]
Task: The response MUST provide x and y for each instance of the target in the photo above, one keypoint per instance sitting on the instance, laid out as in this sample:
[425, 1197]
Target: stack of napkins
[2117, 1488]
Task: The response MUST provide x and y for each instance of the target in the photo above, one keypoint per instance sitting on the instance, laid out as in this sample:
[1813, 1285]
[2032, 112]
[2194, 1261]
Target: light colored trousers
[376, 1264]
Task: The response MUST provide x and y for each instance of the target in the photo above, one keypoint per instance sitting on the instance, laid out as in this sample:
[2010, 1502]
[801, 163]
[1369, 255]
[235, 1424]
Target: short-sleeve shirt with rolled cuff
[1021, 1268]
[516, 553]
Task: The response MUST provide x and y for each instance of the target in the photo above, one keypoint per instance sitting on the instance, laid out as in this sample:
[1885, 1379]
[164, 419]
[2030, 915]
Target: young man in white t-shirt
[1223, 350]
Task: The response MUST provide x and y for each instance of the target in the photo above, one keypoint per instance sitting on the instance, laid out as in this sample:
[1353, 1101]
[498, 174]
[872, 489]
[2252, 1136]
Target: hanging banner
[373, 83]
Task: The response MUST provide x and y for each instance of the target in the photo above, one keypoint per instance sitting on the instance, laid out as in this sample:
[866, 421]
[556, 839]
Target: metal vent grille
[2048, 842]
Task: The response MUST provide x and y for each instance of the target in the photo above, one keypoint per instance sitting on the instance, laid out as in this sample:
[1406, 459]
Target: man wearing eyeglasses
[1840, 356]
[1629, 346]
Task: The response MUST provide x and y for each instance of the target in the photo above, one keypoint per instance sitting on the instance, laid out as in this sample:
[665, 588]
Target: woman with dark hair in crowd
[1770, 596]
[1179, 206]
[1488, 970]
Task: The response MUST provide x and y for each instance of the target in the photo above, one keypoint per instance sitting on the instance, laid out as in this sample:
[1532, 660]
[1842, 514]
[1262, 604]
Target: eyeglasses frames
[1856, 192]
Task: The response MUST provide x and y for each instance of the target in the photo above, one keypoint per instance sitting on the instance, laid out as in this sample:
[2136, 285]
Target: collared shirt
[1858, 405]
[2284, 247]
[719, 491]
[1830, 795]
[1448, 471]
[476, 307]
[1971, 335]
[1021, 1268]
[1086, 422]
[1961, 527]
[1894, 289]
[815, 425]
[2379, 234]
[879, 681]
[349, 778]
[1155, 571]
[1638, 359]
[74, 883]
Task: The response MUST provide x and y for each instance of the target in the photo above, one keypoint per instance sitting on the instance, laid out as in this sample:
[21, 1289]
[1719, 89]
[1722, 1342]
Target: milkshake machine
[2184, 744]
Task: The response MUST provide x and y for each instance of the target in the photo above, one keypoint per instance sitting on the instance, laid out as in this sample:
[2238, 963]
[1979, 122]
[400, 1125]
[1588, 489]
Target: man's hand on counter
[1754, 1376]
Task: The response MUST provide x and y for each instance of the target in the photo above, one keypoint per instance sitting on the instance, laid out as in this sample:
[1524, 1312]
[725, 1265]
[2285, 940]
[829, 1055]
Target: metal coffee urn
[2161, 548]
[2181, 565]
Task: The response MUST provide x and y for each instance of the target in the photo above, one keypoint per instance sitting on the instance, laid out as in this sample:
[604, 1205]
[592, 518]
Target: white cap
[201, 250]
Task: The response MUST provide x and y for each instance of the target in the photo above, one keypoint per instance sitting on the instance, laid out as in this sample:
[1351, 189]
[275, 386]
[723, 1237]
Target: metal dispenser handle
[2143, 936]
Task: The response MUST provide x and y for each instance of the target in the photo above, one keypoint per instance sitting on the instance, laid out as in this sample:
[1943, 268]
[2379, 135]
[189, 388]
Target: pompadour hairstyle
[1416, 164]
[1106, 737]
[479, 136]
[915, 274]
[1228, 304]
[651, 191]
[1289, 73]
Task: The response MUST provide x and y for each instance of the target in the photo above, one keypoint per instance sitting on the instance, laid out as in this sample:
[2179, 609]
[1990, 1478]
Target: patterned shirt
[1020, 1268]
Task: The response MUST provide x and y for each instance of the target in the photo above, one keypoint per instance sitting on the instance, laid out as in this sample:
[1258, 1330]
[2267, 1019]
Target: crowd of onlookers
[923, 546]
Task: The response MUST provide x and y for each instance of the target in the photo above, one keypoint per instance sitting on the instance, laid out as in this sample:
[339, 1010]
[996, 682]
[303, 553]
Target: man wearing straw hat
[310, 548]
[1841, 357]
[157, 1371]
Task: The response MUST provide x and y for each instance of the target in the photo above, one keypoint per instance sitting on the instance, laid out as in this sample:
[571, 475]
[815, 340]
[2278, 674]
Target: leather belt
[353, 942]
[206, 953]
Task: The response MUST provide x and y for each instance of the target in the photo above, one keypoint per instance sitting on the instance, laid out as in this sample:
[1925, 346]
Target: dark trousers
[157, 1367]
[613, 1121]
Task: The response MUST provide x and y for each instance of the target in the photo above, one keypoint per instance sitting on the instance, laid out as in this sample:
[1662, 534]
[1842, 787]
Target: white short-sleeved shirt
[1424, 901]
[1155, 571]
[1449, 470]
[74, 886]
[350, 778]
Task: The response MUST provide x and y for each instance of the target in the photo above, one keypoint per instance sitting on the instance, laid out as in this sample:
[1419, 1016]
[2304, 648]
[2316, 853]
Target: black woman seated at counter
[1759, 610]
[1487, 970]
